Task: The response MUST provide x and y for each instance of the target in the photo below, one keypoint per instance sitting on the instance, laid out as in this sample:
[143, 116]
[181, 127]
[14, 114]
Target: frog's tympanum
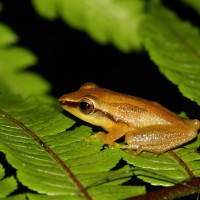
[146, 125]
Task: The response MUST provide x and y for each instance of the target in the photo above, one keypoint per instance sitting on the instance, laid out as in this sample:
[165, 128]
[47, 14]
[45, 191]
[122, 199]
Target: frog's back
[134, 110]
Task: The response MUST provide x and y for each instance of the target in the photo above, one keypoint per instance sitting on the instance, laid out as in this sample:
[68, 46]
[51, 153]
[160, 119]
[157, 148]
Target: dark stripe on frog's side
[69, 103]
[106, 114]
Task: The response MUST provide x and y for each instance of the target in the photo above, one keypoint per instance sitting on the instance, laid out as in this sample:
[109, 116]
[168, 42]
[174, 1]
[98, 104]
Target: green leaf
[107, 178]
[52, 197]
[16, 59]
[194, 4]
[47, 9]
[105, 21]
[109, 192]
[14, 74]
[7, 186]
[16, 197]
[55, 162]
[7, 36]
[2, 171]
[174, 45]
[115, 192]
[164, 169]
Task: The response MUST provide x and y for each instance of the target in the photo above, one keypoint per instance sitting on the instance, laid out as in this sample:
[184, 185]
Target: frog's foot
[99, 135]
[127, 148]
[136, 147]
[114, 145]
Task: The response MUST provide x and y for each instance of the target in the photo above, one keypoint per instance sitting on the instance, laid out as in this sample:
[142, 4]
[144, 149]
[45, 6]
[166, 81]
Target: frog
[143, 125]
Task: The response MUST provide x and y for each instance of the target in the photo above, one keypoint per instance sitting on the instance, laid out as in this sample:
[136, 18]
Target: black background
[68, 58]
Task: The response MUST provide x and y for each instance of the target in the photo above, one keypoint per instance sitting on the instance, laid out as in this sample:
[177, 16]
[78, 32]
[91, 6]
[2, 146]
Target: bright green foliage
[7, 185]
[47, 8]
[164, 169]
[13, 64]
[174, 46]
[2, 172]
[106, 21]
[57, 197]
[7, 36]
[16, 197]
[35, 142]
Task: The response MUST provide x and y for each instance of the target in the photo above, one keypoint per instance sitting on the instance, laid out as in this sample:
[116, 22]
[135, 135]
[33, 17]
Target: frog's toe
[114, 145]
[96, 135]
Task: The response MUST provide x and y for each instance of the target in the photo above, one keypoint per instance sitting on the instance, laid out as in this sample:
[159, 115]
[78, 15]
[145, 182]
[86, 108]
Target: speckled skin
[146, 125]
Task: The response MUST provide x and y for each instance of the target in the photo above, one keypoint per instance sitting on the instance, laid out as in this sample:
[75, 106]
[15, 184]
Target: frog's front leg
[157, 139]
[115, 132]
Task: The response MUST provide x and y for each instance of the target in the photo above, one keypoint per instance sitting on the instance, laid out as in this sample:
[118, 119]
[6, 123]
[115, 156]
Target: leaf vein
[82, 189]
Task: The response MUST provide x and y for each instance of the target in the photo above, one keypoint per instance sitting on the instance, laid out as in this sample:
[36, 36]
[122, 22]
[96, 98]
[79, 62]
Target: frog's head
[86, 104]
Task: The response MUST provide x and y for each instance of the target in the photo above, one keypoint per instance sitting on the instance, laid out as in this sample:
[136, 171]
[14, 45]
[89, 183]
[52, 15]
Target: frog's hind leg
[141, 148]
[157, 139]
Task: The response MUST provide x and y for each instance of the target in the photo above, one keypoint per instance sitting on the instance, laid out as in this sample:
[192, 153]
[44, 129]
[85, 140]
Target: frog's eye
[86, 106]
